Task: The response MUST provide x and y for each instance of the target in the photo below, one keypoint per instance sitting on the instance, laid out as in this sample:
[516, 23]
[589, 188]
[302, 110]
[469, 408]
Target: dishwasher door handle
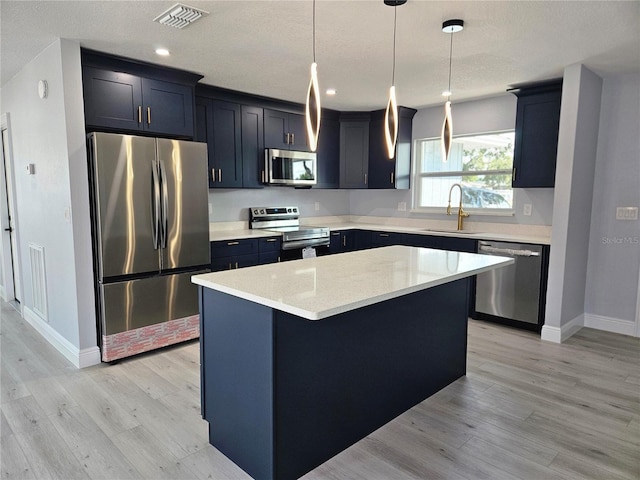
[510, 252]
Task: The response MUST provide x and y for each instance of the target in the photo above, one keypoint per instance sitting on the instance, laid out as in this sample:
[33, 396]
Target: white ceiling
[265, 47]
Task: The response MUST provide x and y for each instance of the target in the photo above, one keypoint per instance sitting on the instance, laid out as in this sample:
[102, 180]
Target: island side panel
[237, 379]
[340, 378]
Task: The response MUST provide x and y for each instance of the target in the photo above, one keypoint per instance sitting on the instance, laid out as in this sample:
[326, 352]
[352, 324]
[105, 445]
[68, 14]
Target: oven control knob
[295, 210]
[289, 210]
[255, 211]
[262, 211]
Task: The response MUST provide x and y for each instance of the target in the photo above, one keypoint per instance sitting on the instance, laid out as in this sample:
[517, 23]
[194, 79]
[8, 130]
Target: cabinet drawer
[229, 248]
[270, 244]
[380, 239]
[233, 262]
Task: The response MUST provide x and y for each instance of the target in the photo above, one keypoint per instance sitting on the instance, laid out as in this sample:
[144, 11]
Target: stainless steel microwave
[290, 167]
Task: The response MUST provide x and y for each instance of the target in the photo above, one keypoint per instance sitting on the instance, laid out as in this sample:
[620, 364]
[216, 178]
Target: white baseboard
[563, 332]
[610, 324]
[80, 358]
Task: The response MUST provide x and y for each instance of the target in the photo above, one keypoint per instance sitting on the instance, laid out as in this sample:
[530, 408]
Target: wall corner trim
[79, 358]
[562, 333]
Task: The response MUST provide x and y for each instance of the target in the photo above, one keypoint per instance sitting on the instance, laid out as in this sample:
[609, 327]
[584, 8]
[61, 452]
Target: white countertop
[497, 232]
[317, 288]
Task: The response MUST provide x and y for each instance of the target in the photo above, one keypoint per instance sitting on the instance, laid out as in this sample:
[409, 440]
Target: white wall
[577, 146]
[614, 245]
[52, 205]
[485, 115]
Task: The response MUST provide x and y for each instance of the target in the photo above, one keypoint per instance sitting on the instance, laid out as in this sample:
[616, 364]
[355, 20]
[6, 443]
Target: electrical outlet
[626, 213]
[526, 209]
[317, 206]
[402, 206]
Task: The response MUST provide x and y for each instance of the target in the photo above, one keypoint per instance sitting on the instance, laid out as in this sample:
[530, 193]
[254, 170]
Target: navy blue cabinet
[269, 249]
[245, 252]
[329, 152]
[120, 101]
[218, 124]
[385, 172]
[253, 160]
[349, 240]
[536, 139]
[285, 131]
[456, 244]
[382, 239]
[354, 151]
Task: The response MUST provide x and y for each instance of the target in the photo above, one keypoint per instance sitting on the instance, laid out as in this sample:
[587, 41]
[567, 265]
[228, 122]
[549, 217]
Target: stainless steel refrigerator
[150, 235]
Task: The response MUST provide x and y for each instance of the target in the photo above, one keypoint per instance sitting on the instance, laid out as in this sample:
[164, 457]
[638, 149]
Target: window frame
[417, 175]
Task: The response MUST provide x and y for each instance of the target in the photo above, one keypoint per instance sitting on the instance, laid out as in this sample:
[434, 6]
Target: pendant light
[391, 114]
[450, 27]
[312, 108]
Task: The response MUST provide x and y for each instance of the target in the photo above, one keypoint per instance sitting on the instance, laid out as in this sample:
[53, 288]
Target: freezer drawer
[138, 303]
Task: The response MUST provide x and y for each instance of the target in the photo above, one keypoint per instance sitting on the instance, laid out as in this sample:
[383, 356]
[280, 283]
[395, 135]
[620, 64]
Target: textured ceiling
[265, 47]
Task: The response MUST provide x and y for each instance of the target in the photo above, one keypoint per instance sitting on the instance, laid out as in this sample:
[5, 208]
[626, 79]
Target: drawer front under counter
[229, 248]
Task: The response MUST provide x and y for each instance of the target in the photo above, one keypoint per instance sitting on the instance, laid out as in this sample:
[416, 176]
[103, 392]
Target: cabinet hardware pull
[149, 115]
[272, 239]
[365, 178]
[262, 176]
[335, 233]
[278, 259]
[293, 139]
[220, 175]
[392, 179]
[229, 266]
[213, 174]
[236, 265]
[286, 138]
[384, 234]
[344, 241]
[139, 113]
[513, 175]
[233, 243]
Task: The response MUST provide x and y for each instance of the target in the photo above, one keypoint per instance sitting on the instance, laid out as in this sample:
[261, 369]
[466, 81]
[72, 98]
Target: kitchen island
[301, 359]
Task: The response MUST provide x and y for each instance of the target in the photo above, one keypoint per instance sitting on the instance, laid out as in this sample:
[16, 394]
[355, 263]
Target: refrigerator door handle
[156, 206]
[165, 206]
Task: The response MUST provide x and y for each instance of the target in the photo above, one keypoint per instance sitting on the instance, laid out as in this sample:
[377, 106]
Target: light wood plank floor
[526, 409]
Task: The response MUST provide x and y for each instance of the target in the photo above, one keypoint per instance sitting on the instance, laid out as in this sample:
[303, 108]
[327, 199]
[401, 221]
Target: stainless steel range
[286, 220]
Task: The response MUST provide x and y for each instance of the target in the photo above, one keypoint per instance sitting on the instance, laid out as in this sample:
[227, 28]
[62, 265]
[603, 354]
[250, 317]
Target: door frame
[11, 265]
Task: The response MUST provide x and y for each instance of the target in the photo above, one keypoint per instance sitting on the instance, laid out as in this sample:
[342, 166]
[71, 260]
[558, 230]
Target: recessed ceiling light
[162, 51]
[331, 91]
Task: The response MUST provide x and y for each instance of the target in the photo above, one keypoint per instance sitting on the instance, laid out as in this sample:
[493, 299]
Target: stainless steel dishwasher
[512, 294]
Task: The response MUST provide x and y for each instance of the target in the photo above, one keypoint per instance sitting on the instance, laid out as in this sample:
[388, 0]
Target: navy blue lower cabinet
[283, 394]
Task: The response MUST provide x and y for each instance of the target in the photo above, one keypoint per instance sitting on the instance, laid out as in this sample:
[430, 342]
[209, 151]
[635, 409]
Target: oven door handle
[320, 242]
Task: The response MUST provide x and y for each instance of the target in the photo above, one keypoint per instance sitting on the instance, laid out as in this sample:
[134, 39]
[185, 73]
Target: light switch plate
[626, 213]
[402, 206]
[526, 209]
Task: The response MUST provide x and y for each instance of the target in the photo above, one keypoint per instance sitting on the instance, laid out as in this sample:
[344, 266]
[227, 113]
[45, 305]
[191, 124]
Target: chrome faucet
[461, 212]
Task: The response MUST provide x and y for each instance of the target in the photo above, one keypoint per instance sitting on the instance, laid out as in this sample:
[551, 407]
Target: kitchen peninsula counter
[301, 359]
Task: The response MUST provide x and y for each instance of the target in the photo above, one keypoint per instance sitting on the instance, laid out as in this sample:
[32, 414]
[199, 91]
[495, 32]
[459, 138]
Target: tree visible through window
[482, 164]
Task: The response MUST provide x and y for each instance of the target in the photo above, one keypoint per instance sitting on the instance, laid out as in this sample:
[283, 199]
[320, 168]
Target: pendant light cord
[314, 31]
[450, 56]
[395, 22]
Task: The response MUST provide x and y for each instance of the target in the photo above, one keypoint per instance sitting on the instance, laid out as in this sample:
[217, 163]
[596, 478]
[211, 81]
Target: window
[481, 164]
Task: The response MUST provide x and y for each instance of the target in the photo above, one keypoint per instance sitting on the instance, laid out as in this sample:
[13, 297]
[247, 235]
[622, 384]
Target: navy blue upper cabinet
[383, 171]
[218, 124]
[285, 131]
[329, 151]
[253, 160]
[536, 139]
[124, 95]
[354, 151]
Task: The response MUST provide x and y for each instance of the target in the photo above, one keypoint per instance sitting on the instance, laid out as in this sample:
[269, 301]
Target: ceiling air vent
[180, 16]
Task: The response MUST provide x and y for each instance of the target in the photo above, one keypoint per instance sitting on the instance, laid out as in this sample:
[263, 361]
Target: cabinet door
[354, 154]
[536, 142]
[227, 145]
[298, 133]
[253, 159]
[329, 154]
[385, 172]
[204, 133]
[276, 129]
[167, 108]
[112, 99]
[383, 239]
